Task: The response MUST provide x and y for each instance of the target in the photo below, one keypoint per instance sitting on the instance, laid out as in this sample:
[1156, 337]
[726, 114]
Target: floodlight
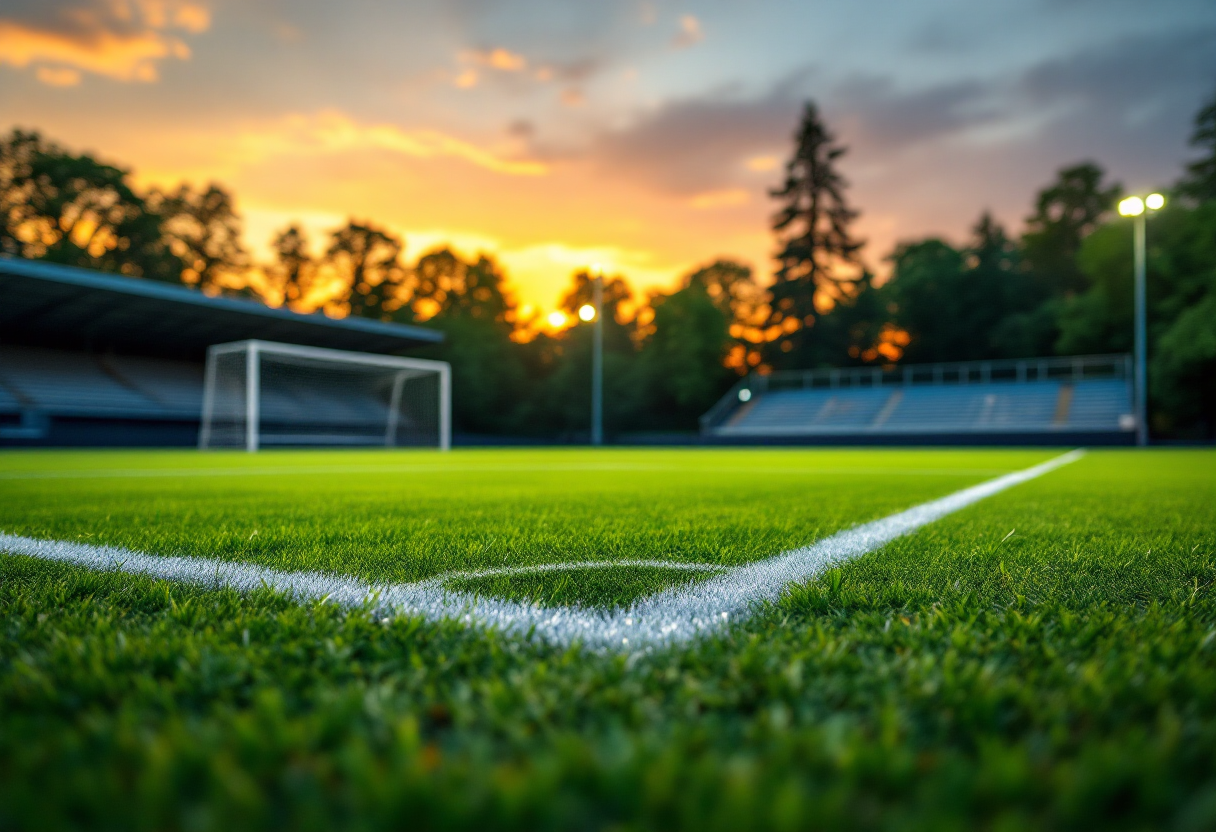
[745, 395]
[586, 312]
[1133, 206]
[557, 319]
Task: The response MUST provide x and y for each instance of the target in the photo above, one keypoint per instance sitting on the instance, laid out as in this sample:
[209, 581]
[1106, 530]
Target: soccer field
[1043, 657]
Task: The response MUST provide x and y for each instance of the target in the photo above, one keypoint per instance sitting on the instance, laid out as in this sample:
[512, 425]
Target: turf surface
[1062, 676]
[599, 587]
[410, 515]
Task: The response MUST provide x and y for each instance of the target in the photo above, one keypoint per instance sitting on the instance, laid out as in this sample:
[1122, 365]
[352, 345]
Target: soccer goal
[259, 393]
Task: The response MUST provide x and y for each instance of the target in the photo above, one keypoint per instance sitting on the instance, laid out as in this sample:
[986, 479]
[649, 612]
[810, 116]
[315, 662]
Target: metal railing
[1017, 370]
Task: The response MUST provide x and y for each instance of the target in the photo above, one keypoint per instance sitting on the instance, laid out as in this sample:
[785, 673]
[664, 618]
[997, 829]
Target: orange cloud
[690, 32]
[429, 184]
[503, 60]
[121, 40]
[58, 76]
[760, 164]
[509, 61]
[720, 199]
[334, 132]
[497, 58]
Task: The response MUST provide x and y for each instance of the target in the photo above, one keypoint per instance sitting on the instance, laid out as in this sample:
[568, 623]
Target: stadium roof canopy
[47, 304]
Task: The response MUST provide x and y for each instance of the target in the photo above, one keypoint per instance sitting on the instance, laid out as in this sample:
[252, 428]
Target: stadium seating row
[75, 384]
[66, 383]
[1097, 405]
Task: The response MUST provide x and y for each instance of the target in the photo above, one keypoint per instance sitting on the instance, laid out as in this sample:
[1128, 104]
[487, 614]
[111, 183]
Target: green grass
[1062, 676]
[403, 516]
[600, 587]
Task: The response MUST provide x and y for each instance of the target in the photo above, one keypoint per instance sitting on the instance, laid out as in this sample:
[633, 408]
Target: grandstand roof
[48, 304]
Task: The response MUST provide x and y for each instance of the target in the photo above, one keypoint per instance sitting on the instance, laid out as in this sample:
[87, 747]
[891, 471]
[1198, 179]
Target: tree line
[1062, 287]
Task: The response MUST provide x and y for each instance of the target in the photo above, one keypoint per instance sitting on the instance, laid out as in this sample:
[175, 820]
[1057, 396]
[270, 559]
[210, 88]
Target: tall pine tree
[1200, 180]
[817, 251]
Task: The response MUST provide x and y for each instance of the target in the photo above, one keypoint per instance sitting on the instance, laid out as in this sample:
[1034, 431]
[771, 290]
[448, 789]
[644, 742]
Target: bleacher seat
[825, 410]
[177, 386]
[1100, 405]
[8, 402]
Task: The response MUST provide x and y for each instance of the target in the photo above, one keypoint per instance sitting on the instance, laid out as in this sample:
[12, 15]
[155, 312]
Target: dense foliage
[1062, 287]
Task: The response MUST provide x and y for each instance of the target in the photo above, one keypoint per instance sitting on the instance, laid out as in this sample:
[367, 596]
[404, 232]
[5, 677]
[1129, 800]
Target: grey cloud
[1130, 96]
[693, 145]
[1127, 73]
[576, 70]
[885, 118]
[79, 17]
[53, 16]
[521, 129]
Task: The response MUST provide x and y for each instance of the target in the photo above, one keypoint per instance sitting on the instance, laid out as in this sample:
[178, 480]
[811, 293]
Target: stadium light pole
[595, 313]
[1138, 209]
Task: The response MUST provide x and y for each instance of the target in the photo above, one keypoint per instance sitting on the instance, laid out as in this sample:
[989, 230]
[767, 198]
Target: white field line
[668, 617]
[577, 565]
[287, 470]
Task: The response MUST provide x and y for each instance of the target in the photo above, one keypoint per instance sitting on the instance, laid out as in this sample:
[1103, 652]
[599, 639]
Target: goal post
[261, 393]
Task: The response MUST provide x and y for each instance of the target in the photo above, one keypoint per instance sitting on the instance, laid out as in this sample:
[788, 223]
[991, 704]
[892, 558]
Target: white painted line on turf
[288, 470]
[574, 566]
[293, 470]
[671, 616]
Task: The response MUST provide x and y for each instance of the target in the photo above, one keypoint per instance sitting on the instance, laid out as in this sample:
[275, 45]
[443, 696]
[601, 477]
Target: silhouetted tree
[469, 303]
[437, 278]
[1005, 314]
[957, 304]
[294, 270]
[446, 285]
[1200, 180]
[732, 288]
[1065, 212]
[682, 359]
[73, 209]
[925, 292]
[817, 251]
[1183, 380]
[367, 260]
[204, 231]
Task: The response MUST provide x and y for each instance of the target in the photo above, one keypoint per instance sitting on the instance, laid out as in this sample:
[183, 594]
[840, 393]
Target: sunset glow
[645, 135]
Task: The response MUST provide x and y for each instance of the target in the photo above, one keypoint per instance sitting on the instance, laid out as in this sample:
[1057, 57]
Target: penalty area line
[671, 616]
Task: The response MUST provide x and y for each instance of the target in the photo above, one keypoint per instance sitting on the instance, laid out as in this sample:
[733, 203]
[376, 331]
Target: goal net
[259, 393]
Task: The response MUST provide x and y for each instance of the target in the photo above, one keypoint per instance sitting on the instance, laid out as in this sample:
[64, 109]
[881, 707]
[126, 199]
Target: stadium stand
[1082, 399]
[96, 359]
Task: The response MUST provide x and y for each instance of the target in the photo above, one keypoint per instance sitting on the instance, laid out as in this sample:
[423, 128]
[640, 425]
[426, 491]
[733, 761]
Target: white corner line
[671, 616]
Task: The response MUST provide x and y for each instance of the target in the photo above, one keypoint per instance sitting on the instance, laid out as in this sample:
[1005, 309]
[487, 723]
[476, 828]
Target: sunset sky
[641, 135]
